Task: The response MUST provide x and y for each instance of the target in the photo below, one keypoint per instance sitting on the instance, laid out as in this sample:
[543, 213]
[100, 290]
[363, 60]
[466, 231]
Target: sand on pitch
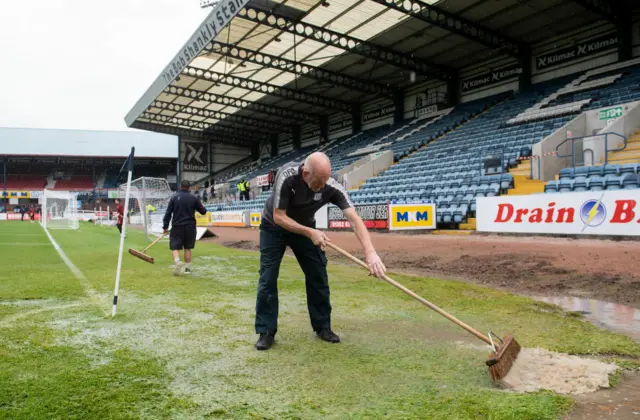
[538, 369]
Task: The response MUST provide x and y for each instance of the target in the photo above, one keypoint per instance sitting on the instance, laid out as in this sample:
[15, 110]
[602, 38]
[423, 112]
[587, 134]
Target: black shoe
[187, 271]
[265, 341]
[327, 335]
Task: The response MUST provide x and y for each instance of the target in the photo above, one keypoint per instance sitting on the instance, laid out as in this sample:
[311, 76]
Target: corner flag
[126, 166]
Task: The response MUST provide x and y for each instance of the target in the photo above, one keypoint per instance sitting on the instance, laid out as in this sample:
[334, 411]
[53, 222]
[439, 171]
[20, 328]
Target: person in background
[247, 188]
[120, 215]
[241, 186]
[181, 213]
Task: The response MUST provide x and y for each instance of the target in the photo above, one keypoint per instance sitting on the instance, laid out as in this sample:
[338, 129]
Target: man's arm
[167, 215]
[281, 219]
[376, 267]
[200, 207]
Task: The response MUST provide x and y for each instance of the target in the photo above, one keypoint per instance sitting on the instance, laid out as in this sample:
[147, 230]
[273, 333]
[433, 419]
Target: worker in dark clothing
[288, 220]
[181, 213]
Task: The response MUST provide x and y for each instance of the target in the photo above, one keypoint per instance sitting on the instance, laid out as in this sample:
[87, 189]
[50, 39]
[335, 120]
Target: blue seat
[596, 183]
[595, 171]
[630, 181]
[629, 168]
[580, 184]
[611, 169]
[613, 182]
[566, 173]
[565, 185]
[581, 171]
[551, 187]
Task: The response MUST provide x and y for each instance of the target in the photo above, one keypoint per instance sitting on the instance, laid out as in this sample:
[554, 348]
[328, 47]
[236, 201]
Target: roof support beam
[184, 132]
[207, 128]
[603, 8]
[299, 68]
[451, 22]
[201, 95]
[345, 42]
[219, 115]
[267, 88]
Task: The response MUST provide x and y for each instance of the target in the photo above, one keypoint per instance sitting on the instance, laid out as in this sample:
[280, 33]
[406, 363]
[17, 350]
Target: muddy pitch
[586, 268]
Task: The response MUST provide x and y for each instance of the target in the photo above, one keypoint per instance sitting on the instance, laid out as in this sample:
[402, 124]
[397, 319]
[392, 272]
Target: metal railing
[573, 140]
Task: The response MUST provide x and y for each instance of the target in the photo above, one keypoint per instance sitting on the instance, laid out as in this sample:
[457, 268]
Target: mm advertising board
[412, 216]
[230, 218]
[374, 216]
[574, 213]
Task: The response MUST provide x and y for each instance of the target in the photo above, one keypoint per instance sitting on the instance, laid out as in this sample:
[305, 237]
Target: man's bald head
[317, 170]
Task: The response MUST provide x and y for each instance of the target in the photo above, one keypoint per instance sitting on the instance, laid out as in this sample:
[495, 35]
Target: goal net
[148, 200]
[60, 210]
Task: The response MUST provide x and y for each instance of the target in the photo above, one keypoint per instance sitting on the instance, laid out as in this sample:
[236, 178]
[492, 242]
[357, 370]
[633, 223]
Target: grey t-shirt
[291, 193]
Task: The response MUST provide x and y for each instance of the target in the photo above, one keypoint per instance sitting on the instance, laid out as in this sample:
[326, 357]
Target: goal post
[59, 210]
[148, 200]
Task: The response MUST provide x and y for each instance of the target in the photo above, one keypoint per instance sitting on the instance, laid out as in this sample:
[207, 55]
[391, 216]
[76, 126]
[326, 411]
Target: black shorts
[182, 237]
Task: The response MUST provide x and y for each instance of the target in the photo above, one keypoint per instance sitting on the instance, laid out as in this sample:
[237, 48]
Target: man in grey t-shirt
[300, 190]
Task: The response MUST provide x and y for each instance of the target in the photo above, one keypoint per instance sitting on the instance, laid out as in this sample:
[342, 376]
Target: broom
[503, 356]
[142, 255]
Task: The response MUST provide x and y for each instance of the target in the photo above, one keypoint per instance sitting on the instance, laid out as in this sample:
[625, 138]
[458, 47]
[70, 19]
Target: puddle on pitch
[612, 316]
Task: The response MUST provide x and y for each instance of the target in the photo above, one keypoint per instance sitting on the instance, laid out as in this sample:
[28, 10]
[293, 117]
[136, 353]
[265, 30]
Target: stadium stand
[468, 151]
[25, 182]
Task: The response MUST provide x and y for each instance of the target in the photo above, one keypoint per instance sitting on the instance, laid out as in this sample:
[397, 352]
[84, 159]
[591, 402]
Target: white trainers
[179, 268]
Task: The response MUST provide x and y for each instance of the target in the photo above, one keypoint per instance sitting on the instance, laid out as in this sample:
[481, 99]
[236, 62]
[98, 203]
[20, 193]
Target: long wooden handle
[415, 296]
[154, 242]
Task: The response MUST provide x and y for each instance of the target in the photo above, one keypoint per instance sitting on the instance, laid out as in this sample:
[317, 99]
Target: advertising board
[255, 219]
[230, 218]
[262, 180]
[412, 216]
[578, 213]
[203, 220]
[374, 216]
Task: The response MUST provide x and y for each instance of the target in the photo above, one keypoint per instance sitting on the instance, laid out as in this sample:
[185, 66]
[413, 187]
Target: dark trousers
[312, 260]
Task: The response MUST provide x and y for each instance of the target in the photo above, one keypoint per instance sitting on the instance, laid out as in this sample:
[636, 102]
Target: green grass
[182, 347]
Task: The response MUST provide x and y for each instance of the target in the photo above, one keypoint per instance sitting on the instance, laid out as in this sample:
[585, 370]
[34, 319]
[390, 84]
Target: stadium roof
[278, 63]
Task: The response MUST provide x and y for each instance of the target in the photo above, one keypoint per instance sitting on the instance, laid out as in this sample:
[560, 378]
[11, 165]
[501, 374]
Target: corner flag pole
[129, 166]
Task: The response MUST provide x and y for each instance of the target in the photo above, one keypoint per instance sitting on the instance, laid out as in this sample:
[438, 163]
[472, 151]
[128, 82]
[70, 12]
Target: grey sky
[83, 64]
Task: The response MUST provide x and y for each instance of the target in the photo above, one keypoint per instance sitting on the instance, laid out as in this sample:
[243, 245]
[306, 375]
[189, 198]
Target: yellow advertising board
[15, 194]
[203, 220]
[412, 216]
[255, 219]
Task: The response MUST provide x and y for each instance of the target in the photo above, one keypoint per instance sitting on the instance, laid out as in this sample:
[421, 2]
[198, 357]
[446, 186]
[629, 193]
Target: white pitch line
[75, 270]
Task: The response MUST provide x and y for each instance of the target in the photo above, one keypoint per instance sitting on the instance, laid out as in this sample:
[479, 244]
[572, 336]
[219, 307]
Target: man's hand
[319, 238]
[376, 267]
[165, 231]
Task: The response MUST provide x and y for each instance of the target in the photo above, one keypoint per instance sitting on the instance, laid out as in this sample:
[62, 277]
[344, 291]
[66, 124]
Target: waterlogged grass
[182, 347]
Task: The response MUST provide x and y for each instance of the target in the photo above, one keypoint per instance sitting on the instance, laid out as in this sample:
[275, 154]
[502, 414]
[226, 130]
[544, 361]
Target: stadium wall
[377, 113]
[285, 143]
[340, 125]
[195, 159]
[223, 155]
[543, 71]
[310, 135]
[418, 93]
[488, 78]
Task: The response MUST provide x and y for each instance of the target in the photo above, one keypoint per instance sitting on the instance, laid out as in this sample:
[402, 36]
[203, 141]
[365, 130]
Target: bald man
[288, 220]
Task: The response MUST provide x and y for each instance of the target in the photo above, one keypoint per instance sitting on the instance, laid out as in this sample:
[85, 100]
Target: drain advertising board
[575, 213]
